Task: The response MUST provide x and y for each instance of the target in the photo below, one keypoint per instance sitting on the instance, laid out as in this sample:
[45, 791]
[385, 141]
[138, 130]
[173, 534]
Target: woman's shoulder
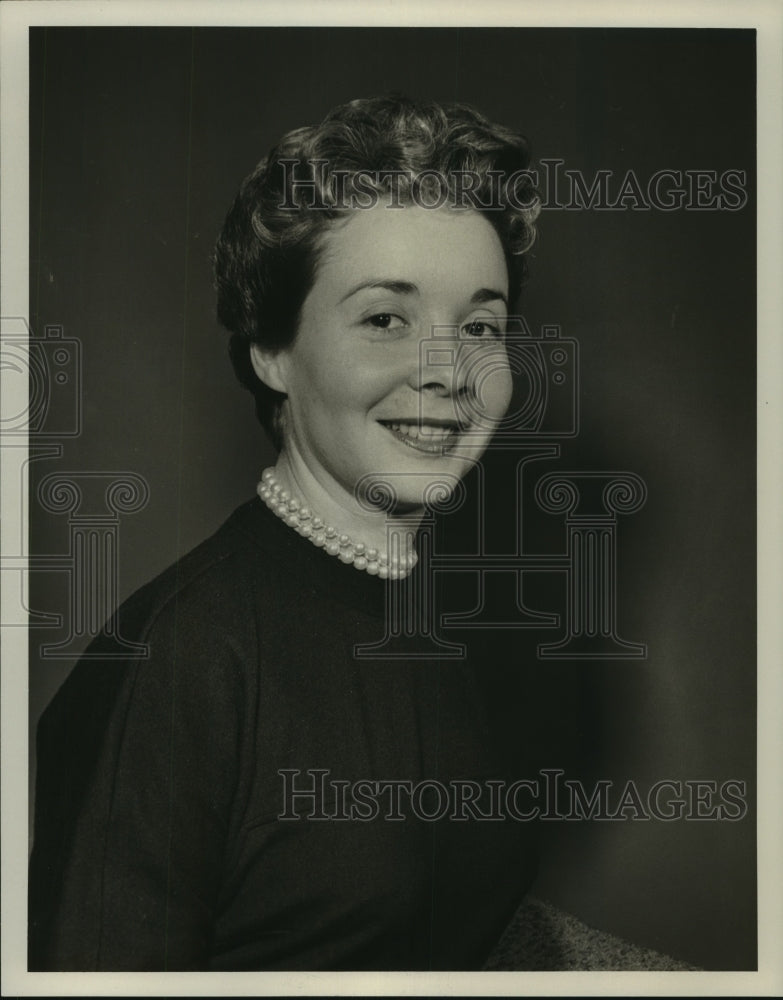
[206, 597]
[211, 586]
[196, 614]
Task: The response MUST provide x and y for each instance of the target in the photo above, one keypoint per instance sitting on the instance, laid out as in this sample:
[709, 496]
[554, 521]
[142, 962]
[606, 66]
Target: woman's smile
[430, 439]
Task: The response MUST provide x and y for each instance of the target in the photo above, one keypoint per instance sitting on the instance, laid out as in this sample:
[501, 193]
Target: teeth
[425, 434]
[425, 429]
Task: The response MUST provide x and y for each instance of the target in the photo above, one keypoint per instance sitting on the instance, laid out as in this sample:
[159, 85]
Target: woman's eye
[482, 328]
[384, 321]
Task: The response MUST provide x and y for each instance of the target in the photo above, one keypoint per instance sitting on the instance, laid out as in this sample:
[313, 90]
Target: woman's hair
[391, 148]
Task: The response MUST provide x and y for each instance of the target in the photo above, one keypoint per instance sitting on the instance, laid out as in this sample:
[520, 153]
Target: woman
[237, 799]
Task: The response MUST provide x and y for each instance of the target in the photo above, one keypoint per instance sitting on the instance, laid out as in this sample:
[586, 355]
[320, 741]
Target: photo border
[766, 16]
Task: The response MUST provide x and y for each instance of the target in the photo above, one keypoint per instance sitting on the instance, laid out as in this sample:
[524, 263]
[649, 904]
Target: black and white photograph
[390, 539]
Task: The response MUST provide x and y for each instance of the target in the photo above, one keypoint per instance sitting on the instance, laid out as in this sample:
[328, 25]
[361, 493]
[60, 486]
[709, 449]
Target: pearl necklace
[323, 535]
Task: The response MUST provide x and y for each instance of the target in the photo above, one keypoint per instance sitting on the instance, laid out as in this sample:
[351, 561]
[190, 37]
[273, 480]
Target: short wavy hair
[267, 253]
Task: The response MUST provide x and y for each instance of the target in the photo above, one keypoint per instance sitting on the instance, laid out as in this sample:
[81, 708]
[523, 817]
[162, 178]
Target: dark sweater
[158, 843]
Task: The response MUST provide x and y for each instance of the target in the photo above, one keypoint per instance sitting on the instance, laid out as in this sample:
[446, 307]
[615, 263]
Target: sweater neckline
[323, 572]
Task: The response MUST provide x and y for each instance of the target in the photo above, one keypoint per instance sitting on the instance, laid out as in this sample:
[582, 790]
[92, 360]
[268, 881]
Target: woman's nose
[442, 369]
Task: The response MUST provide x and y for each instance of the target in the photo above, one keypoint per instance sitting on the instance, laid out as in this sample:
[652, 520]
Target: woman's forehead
[414, 244]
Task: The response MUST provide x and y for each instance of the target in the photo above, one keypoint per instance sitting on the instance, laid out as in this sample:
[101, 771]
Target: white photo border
[766, 16]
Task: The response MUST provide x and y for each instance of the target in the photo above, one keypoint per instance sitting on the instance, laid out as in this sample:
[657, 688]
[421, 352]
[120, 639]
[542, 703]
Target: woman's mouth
[431, 439]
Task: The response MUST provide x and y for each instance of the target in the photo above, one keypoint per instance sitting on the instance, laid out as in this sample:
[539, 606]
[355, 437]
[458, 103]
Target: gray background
[139, 138]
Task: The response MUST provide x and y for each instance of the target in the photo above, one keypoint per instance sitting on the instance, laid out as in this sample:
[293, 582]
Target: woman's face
[399, 369]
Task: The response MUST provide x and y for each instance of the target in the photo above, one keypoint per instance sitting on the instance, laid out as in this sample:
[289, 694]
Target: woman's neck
[375, 528]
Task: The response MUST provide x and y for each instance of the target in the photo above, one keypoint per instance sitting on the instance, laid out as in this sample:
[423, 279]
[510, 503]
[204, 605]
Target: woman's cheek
[493, 387]
[505, 388]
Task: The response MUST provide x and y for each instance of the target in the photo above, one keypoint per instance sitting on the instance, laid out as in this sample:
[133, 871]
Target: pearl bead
[332, 548]
[344, 540]
[360, 562]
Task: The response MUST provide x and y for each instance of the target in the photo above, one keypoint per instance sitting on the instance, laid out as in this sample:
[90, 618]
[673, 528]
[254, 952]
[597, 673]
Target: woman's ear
[267, 364]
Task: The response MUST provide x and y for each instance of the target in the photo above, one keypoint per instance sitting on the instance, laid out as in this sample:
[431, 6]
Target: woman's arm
[137, 766]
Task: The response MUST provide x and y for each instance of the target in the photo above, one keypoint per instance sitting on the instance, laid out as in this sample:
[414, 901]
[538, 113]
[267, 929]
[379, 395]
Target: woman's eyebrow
[391, 285]
[488, 295]
[400, 287]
